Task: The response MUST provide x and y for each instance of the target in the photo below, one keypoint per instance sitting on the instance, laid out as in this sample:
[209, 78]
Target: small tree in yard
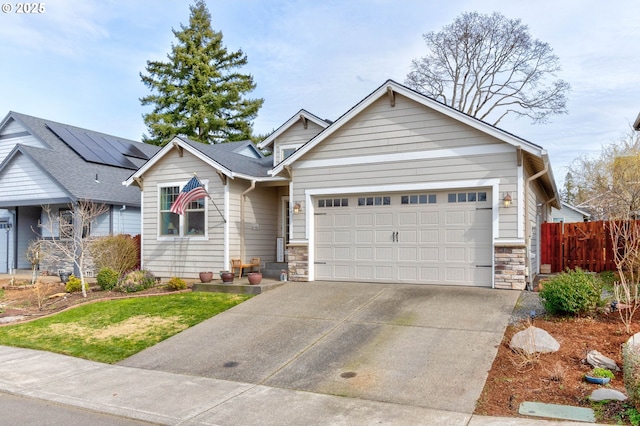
[625, 237]
[33, 254]
[71, 232]
[117, 252]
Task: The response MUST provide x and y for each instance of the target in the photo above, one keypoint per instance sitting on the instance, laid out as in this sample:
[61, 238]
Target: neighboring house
[44, 163]
[569, 214]
[401, 188]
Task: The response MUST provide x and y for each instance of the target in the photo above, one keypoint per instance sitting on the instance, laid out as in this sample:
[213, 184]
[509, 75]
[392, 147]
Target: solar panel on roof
[97, 149]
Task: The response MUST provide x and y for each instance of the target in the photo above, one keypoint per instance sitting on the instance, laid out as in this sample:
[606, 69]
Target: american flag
[193, 190]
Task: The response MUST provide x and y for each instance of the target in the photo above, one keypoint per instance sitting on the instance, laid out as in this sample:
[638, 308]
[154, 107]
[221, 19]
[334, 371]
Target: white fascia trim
[168, 147]
[509, 242]
[290, 122]
[226, 256]
[408, 156]
[234, 175]
[440, 185]
[521, 203]
[493, 183]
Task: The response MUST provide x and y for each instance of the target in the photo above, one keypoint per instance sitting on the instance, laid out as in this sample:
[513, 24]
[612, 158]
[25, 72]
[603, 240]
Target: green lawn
[113, 330]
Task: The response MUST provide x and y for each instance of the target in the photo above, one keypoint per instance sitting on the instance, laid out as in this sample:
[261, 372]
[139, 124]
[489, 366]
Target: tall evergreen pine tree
[199, 92]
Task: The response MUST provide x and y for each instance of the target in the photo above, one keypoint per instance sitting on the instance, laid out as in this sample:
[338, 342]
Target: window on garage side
[374, 201]
[333, 202]
[467, 197]
[419, 199]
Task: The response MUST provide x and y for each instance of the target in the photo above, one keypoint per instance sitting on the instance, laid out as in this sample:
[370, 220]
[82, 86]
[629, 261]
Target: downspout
[527, 225]
[244, 194]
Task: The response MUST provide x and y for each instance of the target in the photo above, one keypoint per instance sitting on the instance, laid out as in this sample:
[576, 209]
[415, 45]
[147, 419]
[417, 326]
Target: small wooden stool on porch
[237, 264]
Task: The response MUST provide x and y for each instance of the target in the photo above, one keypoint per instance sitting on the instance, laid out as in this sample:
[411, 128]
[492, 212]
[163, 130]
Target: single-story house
[569, 214]
[401, 188]
[45, 163]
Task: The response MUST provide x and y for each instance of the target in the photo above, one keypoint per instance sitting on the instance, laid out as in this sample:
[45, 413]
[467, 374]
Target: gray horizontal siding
[23, 180]
[295, 135]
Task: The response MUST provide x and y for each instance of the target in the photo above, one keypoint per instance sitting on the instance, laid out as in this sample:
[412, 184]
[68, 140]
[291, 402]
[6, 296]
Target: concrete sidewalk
[176, 399]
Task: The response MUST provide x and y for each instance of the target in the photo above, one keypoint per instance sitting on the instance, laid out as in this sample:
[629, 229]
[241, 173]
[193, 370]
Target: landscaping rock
[634, 340]
[604, 394]
[596, 359]
[534, 340]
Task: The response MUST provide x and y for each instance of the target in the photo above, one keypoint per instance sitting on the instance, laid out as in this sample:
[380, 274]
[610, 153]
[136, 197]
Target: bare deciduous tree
[608, 185]
[71, 234]
[625, 236]
[489, 66]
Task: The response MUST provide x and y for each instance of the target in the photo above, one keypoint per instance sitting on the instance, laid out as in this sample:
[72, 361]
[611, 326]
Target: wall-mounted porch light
[296, 208]
[507, 200]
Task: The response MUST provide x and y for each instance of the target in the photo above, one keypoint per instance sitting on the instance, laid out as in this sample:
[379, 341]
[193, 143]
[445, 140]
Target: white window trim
[198, 237]
[281, 149]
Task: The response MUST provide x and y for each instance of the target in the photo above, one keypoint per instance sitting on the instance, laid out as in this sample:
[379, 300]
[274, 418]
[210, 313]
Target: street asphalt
[304, 353]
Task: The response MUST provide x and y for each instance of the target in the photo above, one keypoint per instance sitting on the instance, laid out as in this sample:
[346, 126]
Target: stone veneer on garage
[510, 267]
[298, 262]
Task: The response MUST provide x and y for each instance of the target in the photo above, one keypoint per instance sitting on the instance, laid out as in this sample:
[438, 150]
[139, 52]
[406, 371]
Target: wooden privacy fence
[586, 245]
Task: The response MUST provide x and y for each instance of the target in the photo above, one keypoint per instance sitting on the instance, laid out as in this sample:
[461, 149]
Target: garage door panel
[408, 219]
[383, 219]
[453, 274]
[430, 274]
[429, 218]
[341, 220]
[455, 254]
[408, 273]
[364, 236]
[363, 253]
[342, 271]
[408, 254]
[363, 272]
[341, 253]
[430, 236]
[324, 253]
[429, 254]
[408, 236]
[364, 219]
[455, 217]
[384, 236]
[384, 272]
[455, 236]
[384, 254]
[341, 237]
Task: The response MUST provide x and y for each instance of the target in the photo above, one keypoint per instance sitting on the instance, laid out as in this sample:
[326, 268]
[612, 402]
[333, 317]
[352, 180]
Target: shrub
[571, 292]
[631, 372]
[137, 280]
[118, 252]
[176, 283]
[74, 284]
[107, 279]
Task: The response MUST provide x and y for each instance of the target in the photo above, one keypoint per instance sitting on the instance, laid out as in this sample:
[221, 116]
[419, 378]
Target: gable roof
[224, 157]
[300, 115]
[535, 154]
[575, 209]
[68, 169]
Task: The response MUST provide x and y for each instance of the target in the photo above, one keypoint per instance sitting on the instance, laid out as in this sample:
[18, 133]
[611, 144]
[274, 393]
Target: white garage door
[414, 238]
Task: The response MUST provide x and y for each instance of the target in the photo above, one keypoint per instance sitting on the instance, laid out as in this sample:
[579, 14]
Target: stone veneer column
[510, 267]
[298, 262]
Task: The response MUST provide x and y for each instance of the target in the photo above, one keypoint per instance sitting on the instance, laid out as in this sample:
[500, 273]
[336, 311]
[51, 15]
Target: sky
[79, 62]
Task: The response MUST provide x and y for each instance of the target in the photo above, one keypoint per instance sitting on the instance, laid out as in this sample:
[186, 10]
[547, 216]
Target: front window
[192, 223]
[65, 225]
[287, 152]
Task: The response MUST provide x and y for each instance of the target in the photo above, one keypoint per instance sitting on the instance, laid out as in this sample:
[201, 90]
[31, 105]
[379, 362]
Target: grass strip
[113, 330]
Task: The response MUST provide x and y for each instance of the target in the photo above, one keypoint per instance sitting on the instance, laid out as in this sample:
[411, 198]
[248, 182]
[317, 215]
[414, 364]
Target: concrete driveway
[427, 346]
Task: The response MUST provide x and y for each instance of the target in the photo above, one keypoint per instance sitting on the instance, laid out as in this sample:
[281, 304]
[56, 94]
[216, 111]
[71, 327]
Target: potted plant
[600, 376]
[206, 277]
[254, 277]
[226, 276]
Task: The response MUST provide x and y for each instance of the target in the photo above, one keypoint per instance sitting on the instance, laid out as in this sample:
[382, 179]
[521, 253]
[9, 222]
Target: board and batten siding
[182, 256]
[25, 181]
[294, 137]
[382, 130]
